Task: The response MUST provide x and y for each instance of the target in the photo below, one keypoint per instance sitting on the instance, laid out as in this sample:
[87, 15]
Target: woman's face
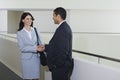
[27, 20]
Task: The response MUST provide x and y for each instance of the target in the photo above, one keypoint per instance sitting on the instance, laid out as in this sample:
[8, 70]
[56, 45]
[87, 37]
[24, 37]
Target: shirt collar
[31, 28]
[61, 23]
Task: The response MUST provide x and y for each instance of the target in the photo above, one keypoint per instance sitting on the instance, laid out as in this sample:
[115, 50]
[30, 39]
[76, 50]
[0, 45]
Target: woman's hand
[40, 48]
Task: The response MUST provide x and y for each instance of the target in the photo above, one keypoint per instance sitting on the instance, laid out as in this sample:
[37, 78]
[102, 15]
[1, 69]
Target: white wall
[3, 20]
[87, 21]
[69, 4]
[13, 21]
[97, 21]
[101, 44]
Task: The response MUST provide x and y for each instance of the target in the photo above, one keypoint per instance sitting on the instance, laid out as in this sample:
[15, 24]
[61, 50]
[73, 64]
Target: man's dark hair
[61, 11]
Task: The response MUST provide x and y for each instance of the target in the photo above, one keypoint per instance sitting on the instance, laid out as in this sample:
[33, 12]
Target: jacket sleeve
[57, 49]
[61, 49]
[25, 48]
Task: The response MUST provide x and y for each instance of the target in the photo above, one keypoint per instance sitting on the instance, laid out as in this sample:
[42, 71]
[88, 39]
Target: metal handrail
[96, 55]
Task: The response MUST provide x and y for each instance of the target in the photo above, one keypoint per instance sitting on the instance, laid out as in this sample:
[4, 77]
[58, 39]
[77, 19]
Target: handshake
[40, 48]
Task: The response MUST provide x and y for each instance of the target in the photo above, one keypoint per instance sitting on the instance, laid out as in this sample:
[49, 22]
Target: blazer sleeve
[57, 49]
[61, 49]
[25, 48]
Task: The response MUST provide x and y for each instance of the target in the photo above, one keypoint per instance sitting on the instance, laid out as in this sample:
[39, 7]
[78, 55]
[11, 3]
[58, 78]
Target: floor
[7, 74]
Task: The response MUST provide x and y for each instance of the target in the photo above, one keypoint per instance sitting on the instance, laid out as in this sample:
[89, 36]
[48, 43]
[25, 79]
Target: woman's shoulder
[20, 32]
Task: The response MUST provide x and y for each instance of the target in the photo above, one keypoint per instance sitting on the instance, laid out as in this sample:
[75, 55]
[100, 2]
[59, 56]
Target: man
[59, 49]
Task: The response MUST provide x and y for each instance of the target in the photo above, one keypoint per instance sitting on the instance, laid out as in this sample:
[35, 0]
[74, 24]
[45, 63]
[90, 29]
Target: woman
[27, 42]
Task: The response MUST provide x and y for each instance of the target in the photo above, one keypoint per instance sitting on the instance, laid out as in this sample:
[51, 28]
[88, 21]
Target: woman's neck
[27, 28]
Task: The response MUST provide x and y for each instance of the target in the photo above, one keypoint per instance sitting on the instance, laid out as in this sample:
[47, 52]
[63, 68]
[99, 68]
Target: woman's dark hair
[61, 11]
[21, 24]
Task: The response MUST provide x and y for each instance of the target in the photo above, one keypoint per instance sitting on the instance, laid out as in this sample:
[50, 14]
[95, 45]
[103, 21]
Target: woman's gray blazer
[29, 57]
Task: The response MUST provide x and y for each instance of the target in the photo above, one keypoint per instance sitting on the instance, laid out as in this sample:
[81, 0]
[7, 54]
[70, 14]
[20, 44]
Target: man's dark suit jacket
[59, 49]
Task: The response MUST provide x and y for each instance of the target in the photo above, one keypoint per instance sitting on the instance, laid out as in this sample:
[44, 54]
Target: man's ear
[59, 16]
